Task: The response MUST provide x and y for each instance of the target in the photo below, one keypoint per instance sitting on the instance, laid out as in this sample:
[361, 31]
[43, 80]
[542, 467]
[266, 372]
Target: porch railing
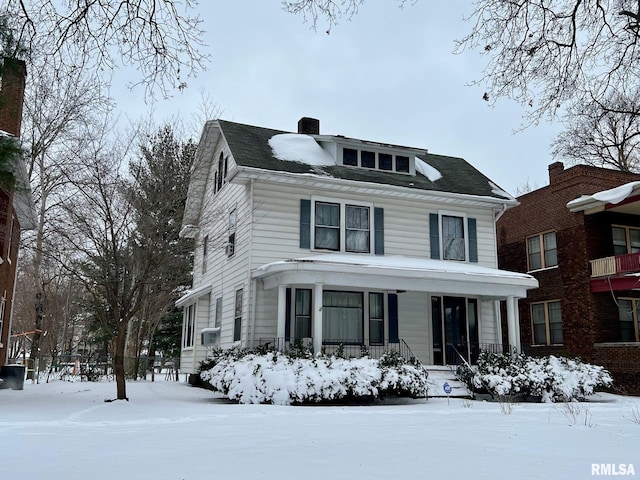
[347, 348]
[628, 263]
[457, 354]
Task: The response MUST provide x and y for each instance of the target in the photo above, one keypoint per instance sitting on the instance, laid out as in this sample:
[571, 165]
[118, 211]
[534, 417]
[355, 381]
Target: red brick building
[580, 237]
[16, 207]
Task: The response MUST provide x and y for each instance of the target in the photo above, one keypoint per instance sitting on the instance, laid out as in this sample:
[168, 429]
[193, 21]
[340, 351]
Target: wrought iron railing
[347, 348]
[457, 354]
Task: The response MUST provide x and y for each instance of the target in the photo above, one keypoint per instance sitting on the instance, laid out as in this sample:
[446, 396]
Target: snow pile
[294, 147]
[277, 378]
[551, 378]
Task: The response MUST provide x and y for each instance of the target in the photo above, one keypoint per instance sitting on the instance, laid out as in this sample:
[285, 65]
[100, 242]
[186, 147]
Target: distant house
[580, 238]
[335, 242]
[16, 205]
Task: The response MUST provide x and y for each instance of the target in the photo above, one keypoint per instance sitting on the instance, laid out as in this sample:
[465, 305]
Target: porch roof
[192, 295]
[395, 272]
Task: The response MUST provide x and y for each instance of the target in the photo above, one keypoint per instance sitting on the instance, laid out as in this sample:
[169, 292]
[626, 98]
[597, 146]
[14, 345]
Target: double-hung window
[453, 236]
[547, 323]
[453, 244]
[231, 239]
[542, 251]
[188, 325]
[303, 313]
[628, 314]
[376, 318]
[342, 227]
[237, 317]
[625, 239]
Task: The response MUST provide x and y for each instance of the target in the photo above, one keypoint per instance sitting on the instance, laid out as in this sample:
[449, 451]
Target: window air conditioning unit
[230, 249]
[210, 336]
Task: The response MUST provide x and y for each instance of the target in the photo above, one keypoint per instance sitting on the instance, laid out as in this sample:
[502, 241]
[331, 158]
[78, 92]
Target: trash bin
[12, 376]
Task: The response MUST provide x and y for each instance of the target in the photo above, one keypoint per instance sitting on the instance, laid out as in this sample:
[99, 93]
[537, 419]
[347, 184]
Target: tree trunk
[118, 361]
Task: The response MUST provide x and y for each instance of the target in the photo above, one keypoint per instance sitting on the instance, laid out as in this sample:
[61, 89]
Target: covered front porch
[438, 312]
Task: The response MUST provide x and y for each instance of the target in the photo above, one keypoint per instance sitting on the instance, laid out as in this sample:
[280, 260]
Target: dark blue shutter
[392, 300]
[378, 239]
[473, 240]
[287, 320]
[434, 235]
[305, 223]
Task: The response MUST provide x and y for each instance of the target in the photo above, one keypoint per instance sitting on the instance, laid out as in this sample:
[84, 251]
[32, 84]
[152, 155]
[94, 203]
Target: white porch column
[317, 318]
[512, 322]
[282, 320]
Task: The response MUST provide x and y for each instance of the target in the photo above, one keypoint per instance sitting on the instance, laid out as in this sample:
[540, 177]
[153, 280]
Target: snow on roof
[498, 191]
[612, 196]
[427, 170]
[397, 262]
[295, 147]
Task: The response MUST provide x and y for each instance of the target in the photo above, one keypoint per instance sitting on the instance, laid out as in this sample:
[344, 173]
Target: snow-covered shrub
[278, 378]
[551, 378]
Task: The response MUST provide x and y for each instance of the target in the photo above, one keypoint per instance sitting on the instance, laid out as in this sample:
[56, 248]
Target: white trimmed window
[546, 320]
[231, 239]
[237, 317]
[542, 251]
[342, 226]
[188, 325]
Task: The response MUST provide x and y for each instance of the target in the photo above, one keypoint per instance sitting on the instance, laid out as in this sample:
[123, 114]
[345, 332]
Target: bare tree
[603, 133]
[99, 229]
[547, 54]
[58, 111]
[162, 39]
[333, 11]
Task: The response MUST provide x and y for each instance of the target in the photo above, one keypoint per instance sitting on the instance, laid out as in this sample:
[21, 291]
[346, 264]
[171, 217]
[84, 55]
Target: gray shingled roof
[250, 148]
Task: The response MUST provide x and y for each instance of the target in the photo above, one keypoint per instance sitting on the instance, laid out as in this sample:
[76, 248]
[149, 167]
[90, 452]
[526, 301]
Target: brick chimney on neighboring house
[555, 169]
[309, 126]
[14, 73]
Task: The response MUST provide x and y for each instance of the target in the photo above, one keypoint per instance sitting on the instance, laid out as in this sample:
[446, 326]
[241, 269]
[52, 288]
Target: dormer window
[384, 161]
[367, 159]
[350, 157]
[402, 164]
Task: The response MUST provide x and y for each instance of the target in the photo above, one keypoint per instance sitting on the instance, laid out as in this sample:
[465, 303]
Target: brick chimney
[14, 73]
[309, 126]
[555, 169]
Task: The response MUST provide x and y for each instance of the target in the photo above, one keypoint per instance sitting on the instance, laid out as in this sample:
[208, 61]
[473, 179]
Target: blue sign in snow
[447, 388]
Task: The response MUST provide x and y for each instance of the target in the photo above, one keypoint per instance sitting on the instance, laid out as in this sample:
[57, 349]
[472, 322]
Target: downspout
[254, 283]
[501, 212]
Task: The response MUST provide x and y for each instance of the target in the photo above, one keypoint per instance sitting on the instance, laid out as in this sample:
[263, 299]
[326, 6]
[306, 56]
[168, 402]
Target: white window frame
[189, 330]
[232, 237]
[465, 227]
[343, 226]
[239, 290]
[205, 253]
[377, 151]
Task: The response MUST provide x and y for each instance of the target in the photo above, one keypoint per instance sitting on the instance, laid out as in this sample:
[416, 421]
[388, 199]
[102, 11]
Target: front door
[454, 327]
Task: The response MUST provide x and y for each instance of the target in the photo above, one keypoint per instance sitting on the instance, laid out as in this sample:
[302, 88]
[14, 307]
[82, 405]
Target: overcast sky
[387, 75]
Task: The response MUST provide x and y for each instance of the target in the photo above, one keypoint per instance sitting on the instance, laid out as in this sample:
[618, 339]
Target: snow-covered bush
[551, 378]
[278, 378]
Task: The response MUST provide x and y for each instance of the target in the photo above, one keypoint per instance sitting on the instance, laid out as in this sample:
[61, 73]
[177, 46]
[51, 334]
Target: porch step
[438, 376]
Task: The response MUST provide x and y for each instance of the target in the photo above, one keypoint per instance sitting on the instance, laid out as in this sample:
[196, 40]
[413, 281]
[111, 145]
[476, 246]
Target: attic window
[402, 164]
[385, 161]
[350, 157]
[370, 159]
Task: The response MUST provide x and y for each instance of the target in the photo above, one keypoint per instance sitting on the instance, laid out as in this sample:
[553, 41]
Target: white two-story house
[334, 242]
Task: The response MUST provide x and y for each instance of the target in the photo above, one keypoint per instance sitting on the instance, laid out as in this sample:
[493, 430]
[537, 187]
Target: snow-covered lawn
[172, 431]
